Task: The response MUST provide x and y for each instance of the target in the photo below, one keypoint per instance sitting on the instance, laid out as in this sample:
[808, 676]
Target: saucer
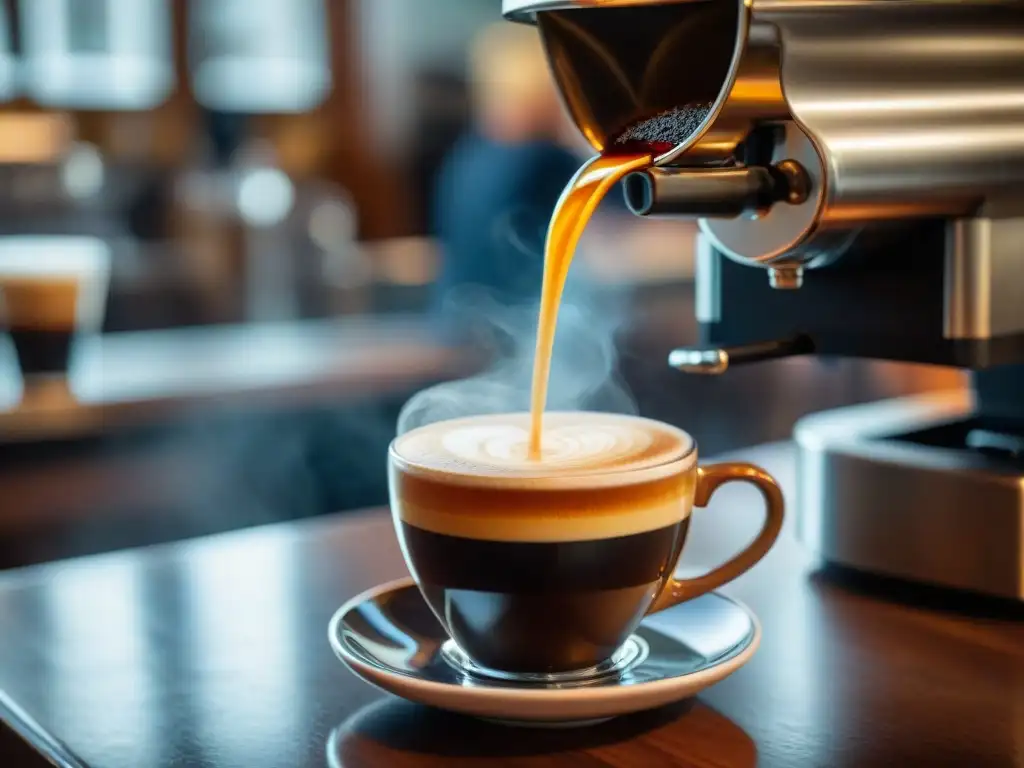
[389, 637]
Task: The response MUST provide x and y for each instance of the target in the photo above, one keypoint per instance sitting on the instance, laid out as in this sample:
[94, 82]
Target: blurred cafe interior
[231, 232]
[245, 243]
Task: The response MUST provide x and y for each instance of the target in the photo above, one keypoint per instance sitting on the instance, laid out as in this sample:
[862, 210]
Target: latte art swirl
[573, 445]
[562, 446]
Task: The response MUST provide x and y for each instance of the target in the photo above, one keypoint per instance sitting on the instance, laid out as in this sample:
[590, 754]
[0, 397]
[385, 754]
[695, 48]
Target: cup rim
[59, 257]
[568, 480]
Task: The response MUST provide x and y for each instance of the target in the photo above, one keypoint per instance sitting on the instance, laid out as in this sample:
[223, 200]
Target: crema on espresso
[601, 475]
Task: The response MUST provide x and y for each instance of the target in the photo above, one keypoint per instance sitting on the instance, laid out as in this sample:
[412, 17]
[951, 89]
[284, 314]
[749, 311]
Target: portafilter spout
[715, 192]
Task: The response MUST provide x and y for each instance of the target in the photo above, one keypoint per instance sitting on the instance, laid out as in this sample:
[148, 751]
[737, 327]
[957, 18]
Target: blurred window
[97, 54]
[258, 56]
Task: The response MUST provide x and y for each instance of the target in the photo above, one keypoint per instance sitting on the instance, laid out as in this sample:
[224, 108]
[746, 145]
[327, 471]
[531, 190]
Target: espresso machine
[857, 171]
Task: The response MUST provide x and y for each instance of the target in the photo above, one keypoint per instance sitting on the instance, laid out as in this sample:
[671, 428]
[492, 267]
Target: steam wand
[714, 360]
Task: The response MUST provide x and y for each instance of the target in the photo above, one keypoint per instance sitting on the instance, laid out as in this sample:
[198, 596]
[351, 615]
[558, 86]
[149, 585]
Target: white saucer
[390, 638]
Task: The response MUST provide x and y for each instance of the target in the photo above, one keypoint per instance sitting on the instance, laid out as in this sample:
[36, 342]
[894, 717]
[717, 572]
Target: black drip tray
[996, 438]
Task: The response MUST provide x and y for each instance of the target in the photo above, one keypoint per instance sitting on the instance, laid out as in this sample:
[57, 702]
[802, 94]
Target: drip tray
[997, 439]
[917, 488]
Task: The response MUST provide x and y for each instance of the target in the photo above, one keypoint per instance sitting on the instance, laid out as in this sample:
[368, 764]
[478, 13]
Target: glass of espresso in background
[51, 289]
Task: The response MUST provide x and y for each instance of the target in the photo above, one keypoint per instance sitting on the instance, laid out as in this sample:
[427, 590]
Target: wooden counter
[214, 653]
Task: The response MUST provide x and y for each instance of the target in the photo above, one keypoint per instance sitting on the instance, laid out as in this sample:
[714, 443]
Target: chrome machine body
[868, 156]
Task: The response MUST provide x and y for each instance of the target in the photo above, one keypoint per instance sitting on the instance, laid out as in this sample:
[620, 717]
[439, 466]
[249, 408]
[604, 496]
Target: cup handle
[709, 478]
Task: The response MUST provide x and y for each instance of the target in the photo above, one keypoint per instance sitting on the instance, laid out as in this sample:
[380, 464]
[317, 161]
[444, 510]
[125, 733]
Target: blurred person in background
[497, 187]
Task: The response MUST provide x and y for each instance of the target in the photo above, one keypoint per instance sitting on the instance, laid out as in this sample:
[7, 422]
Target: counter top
[148, 376]
[214, 653]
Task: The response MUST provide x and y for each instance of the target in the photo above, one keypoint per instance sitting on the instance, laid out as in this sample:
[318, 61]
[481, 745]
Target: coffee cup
[52, 288]
[546, 567]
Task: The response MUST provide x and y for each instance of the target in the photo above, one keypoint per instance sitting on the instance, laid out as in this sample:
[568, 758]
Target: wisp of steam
[584, 371]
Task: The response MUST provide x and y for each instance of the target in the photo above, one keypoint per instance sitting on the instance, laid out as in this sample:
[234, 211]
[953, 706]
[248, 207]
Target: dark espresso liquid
[41, 351]
[541, 606]
[41, 313]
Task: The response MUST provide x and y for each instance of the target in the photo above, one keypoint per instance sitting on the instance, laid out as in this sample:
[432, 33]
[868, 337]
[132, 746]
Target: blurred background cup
[52, 289]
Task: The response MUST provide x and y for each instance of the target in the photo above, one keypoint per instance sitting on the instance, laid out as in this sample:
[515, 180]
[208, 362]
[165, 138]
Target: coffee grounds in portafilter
[664, 130]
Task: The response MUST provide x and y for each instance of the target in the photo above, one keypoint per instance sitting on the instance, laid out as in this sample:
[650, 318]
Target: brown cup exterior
[552, 605]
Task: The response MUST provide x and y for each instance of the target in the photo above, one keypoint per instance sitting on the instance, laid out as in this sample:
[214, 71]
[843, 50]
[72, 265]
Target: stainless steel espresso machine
[857, 169]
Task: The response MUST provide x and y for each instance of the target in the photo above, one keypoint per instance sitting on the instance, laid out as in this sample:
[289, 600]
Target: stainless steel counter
[149, 377]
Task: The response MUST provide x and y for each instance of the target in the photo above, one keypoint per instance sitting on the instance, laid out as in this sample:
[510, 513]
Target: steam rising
[584, 374]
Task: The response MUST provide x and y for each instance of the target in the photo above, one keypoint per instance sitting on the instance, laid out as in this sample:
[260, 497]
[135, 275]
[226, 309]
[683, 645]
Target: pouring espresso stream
[575, 207]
